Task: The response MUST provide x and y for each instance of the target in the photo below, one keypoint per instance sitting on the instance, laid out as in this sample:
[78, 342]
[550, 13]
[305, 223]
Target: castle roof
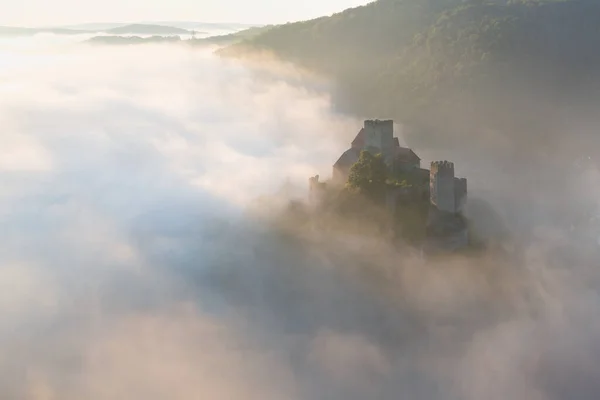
[423, 173]
[359, 140]
[348, 158]
[406, 155]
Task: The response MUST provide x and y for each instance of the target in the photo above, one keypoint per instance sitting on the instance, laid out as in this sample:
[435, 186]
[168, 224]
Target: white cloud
[114, 162]
[126, 268]
[23, 153]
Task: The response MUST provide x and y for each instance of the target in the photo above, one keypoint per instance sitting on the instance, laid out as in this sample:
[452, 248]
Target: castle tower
[460, 193]
[315, 189]
[441, 180]
[379, 137]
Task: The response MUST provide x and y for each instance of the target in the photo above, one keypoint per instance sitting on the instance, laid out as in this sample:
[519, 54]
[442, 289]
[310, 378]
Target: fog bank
[131, 267]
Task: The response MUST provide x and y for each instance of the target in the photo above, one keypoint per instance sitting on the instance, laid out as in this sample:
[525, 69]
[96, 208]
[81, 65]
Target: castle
[446, 192]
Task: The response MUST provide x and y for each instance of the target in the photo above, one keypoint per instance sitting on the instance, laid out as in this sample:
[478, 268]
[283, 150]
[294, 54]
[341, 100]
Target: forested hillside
[451, 68]
[231, 38]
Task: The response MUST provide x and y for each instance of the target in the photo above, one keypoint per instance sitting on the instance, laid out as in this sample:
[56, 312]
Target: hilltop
[146, 29]
[451, 69]
[132, 40]
[218, 40]
[137, 29]
[232, 38]
[142, 28]
[423, 207]
[11, 31]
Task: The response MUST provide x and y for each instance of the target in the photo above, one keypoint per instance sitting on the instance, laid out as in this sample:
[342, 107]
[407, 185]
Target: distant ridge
[232, 38]
[452, 69]
[10, 31]
[187, 25]
[142, 28]
[146, 29]
[204, 25]
[132, 40]
[95, 27]
[216, 40]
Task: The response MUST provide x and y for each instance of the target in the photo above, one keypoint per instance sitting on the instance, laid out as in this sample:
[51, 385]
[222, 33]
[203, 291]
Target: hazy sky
[55, 12]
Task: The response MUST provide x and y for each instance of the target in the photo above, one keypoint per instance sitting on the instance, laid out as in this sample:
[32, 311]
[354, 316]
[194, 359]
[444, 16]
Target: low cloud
[130, 267]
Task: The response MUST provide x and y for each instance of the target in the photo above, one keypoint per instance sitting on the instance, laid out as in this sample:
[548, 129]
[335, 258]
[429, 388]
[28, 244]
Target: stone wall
[441, 181]
[316, 189]
[379, 135]
[460, 193]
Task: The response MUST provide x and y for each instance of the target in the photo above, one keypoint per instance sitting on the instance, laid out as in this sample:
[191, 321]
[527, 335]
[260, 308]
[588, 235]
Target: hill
[454, 69]
[146, 29]
[162, 28]
[204, 26]
[186, 25]
[232, 38]
[9, 31]
[94, 26]
[132, 40]
[219, 40]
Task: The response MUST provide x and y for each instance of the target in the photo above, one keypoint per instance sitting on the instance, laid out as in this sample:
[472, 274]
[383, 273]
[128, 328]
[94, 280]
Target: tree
[368, 176]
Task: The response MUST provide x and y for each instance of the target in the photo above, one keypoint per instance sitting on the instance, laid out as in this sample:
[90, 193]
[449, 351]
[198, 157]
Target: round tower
[441, 181]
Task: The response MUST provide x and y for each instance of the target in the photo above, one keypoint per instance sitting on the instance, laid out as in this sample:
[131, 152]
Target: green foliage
[369, 176]
[347, 210]
[398, 182]
[352, 43]
[411, 221]
[451, 66]
[232, 38]
[408, 179]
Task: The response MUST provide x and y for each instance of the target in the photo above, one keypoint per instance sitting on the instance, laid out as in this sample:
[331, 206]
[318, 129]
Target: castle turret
[442, 192]
[315, 189]
[379, 137]
[460, 193]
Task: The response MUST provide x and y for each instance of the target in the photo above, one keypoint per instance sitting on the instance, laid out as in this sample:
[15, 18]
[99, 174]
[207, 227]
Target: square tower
[441, 181]
[460, 193]
[379, 138]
